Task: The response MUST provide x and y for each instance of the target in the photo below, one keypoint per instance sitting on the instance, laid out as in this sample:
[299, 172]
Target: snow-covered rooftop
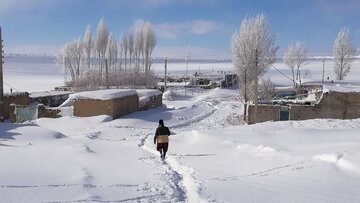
[337, 85]
[148, 92]
[48, 93]
[103, 94]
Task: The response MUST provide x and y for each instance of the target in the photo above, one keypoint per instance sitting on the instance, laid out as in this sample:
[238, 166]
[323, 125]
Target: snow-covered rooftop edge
[114, 94]
[337, 85]
[103, 94]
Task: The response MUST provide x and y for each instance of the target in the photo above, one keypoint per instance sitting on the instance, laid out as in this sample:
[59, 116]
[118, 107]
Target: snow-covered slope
[212, 157]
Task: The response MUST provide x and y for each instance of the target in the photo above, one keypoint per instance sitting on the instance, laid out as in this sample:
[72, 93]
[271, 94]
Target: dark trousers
[162, 148]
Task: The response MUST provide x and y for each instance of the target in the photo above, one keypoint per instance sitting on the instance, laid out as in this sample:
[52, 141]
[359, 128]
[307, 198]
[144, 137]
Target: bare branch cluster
[294, 58]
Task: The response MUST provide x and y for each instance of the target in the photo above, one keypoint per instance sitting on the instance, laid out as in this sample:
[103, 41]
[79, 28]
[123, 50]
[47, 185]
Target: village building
[110, 102]
[114, 102]
[337, 100]
[21, 107]
[18, 98]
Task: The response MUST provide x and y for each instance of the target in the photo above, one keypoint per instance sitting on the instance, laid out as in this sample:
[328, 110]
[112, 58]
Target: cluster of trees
[343, 52]
[254, 52]
[103, 61]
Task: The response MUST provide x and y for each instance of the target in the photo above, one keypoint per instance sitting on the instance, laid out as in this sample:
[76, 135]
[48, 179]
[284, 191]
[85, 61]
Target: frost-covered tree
[253, 52]
[71, 57]
[111, 53]
[88, 46]
[121, 50]
[290, 60]
[300, 56]
[130, 47]
[138, 44]
[77, 57]
[149, 45]
[101, 41]
[344, 51]
[267, 89]
[124, 47]
[295, 57]
[110, 57]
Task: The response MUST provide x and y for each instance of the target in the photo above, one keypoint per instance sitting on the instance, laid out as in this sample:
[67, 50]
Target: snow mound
[339, 161]
[168, 95]
[28, 133]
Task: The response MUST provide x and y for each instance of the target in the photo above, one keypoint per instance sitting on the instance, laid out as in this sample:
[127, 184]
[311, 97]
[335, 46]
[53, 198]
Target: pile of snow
[168, 95]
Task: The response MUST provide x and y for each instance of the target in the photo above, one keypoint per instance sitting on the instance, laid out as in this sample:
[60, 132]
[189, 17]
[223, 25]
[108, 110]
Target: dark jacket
[161, 134]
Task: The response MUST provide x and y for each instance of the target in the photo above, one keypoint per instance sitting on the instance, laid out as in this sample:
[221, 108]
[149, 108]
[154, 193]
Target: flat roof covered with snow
[148, 92]
[103, 94]
[48, 93]
[337, 85]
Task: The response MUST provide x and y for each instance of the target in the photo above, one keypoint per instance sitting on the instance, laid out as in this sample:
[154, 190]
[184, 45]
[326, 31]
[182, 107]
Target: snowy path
[185, 186]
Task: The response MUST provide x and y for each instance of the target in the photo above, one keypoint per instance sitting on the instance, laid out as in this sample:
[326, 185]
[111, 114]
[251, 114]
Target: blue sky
[204, 27]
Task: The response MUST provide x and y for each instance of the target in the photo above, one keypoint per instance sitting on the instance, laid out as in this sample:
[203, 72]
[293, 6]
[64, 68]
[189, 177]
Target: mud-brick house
[19, 98]
[336, 101]
[113, 102]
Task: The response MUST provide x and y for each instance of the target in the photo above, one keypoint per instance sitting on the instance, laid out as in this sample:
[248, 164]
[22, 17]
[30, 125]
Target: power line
[11, 86]
[1, 81]
[282, 73]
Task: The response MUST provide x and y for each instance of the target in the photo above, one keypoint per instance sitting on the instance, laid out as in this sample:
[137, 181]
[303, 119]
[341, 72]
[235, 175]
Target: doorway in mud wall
[284, 113]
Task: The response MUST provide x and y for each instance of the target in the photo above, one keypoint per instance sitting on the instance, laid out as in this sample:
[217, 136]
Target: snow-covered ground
[212, 157]
[31, 74]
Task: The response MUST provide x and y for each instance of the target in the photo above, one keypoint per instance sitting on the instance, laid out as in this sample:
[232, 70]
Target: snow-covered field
[212, 157]
[35, 74]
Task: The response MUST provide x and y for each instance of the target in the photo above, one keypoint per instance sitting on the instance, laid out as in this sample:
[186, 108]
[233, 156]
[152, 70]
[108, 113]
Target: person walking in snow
[161, 138]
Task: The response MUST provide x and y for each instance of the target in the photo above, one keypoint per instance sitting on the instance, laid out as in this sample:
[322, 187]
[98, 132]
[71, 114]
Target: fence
[22, 113]
[186, 91]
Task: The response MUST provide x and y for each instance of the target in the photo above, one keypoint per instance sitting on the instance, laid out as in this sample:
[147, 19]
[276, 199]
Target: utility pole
[1, 81]
[165, 78]
[245, 96]
[186, 72]
[323, 72]
[187, 65]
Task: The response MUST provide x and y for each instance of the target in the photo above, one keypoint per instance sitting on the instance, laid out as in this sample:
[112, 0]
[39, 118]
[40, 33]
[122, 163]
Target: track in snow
[186, 187]
[183, 181]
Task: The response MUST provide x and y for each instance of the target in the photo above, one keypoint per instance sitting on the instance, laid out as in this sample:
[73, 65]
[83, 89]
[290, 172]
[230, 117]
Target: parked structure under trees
[102, 61]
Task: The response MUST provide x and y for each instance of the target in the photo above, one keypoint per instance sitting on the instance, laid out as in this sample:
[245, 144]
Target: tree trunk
[245, 111]
[256, 87]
